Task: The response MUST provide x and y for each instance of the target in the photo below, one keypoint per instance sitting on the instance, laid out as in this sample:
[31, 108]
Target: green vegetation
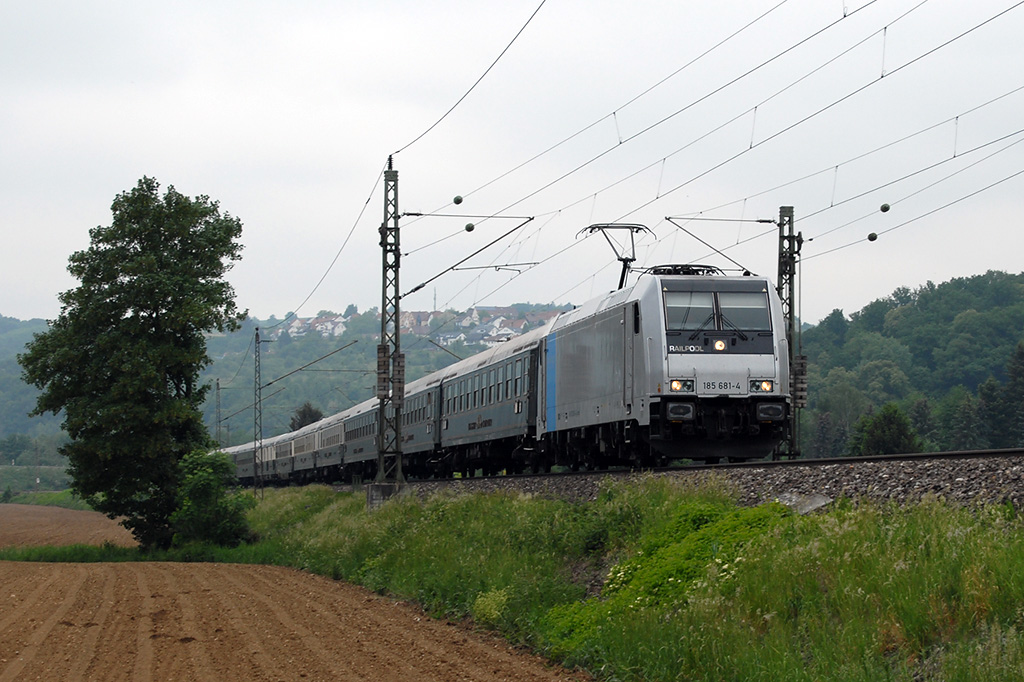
[73, 554]
[63, 498]
[206, 512]
[17, 399]
[304, 416]
[949, 358]
[656, 580]
[121, 363]
[23, 478]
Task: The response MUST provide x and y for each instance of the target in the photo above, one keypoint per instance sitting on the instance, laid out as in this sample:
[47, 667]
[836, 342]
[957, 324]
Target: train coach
[687, 363]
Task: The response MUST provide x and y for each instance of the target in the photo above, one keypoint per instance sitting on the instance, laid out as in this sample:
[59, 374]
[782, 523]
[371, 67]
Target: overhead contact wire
[473, 87]
[826, 107]
[923, 215]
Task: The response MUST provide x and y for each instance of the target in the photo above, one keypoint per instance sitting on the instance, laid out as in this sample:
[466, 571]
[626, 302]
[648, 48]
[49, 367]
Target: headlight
[719, 345]
[681, 385]
[761, 385]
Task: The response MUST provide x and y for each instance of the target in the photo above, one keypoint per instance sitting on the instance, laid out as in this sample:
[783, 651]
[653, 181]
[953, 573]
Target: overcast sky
[286, 114]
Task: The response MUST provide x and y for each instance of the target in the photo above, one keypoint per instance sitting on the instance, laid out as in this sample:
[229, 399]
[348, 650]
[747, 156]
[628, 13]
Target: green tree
[840, 394]
[13, 447]
[921, 418]
[883, 381]
[305, 415]
[122, 360]
[994, 412]
[964, 427]
[207, 512]
[828, 438]
[887, 432]
[871, 318]
[1013, 395]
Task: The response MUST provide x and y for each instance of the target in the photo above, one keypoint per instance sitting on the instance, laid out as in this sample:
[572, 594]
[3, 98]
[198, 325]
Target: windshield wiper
[703, 324]
[726, 322]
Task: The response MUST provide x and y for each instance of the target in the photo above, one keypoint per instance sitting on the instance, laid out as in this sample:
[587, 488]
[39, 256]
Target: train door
[534, 373]
[630, 331]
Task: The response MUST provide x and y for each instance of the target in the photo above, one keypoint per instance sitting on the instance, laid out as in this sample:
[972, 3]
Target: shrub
[207, 512]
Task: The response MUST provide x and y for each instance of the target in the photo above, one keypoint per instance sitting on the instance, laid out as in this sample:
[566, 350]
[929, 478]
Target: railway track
[964, 477]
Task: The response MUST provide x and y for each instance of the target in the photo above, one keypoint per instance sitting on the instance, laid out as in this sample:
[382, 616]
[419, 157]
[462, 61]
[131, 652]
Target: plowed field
[164, 621]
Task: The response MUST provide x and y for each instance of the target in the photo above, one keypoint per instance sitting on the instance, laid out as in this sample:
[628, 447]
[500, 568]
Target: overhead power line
[632, 100]
[472, 87]
[676, 113]
[923, 215]
[823, 109]
[832, 167]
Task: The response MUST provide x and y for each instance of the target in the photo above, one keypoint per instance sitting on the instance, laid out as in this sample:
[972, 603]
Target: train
[687, 363]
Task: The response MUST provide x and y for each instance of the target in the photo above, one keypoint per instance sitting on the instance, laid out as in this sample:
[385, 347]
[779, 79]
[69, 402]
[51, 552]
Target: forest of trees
[947, 358]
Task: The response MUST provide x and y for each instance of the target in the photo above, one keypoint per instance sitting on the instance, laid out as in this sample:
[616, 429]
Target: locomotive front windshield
[746, 312]
[689, 310]
[722, 311]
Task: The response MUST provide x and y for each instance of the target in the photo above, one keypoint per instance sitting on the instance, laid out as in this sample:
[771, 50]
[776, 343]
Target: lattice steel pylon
[390, 360]
[257, 417]
[789, 254]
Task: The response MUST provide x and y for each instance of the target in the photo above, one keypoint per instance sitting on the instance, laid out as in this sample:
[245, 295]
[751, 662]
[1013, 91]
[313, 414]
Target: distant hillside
[946, 354]
[430, 340]
[17, 398]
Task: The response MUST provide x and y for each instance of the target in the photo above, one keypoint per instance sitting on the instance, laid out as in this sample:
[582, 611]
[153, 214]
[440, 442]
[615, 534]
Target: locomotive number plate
[713, 386]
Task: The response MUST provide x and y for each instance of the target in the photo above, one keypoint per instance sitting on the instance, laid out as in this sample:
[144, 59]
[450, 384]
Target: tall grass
[861, 593]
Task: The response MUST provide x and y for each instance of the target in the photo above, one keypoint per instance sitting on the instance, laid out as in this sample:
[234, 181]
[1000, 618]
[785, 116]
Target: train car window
[519, 377]
[490, 387]
[689, 310]
[501, 381]
[744, 311]
[508, 381]
[636, 317]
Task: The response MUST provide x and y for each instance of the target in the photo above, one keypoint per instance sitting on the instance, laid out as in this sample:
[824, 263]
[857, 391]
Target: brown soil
[164, 621]
[26, 525]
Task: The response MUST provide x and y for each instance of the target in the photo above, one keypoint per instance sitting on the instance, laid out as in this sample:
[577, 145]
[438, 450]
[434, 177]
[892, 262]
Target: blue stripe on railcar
[551, 385]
